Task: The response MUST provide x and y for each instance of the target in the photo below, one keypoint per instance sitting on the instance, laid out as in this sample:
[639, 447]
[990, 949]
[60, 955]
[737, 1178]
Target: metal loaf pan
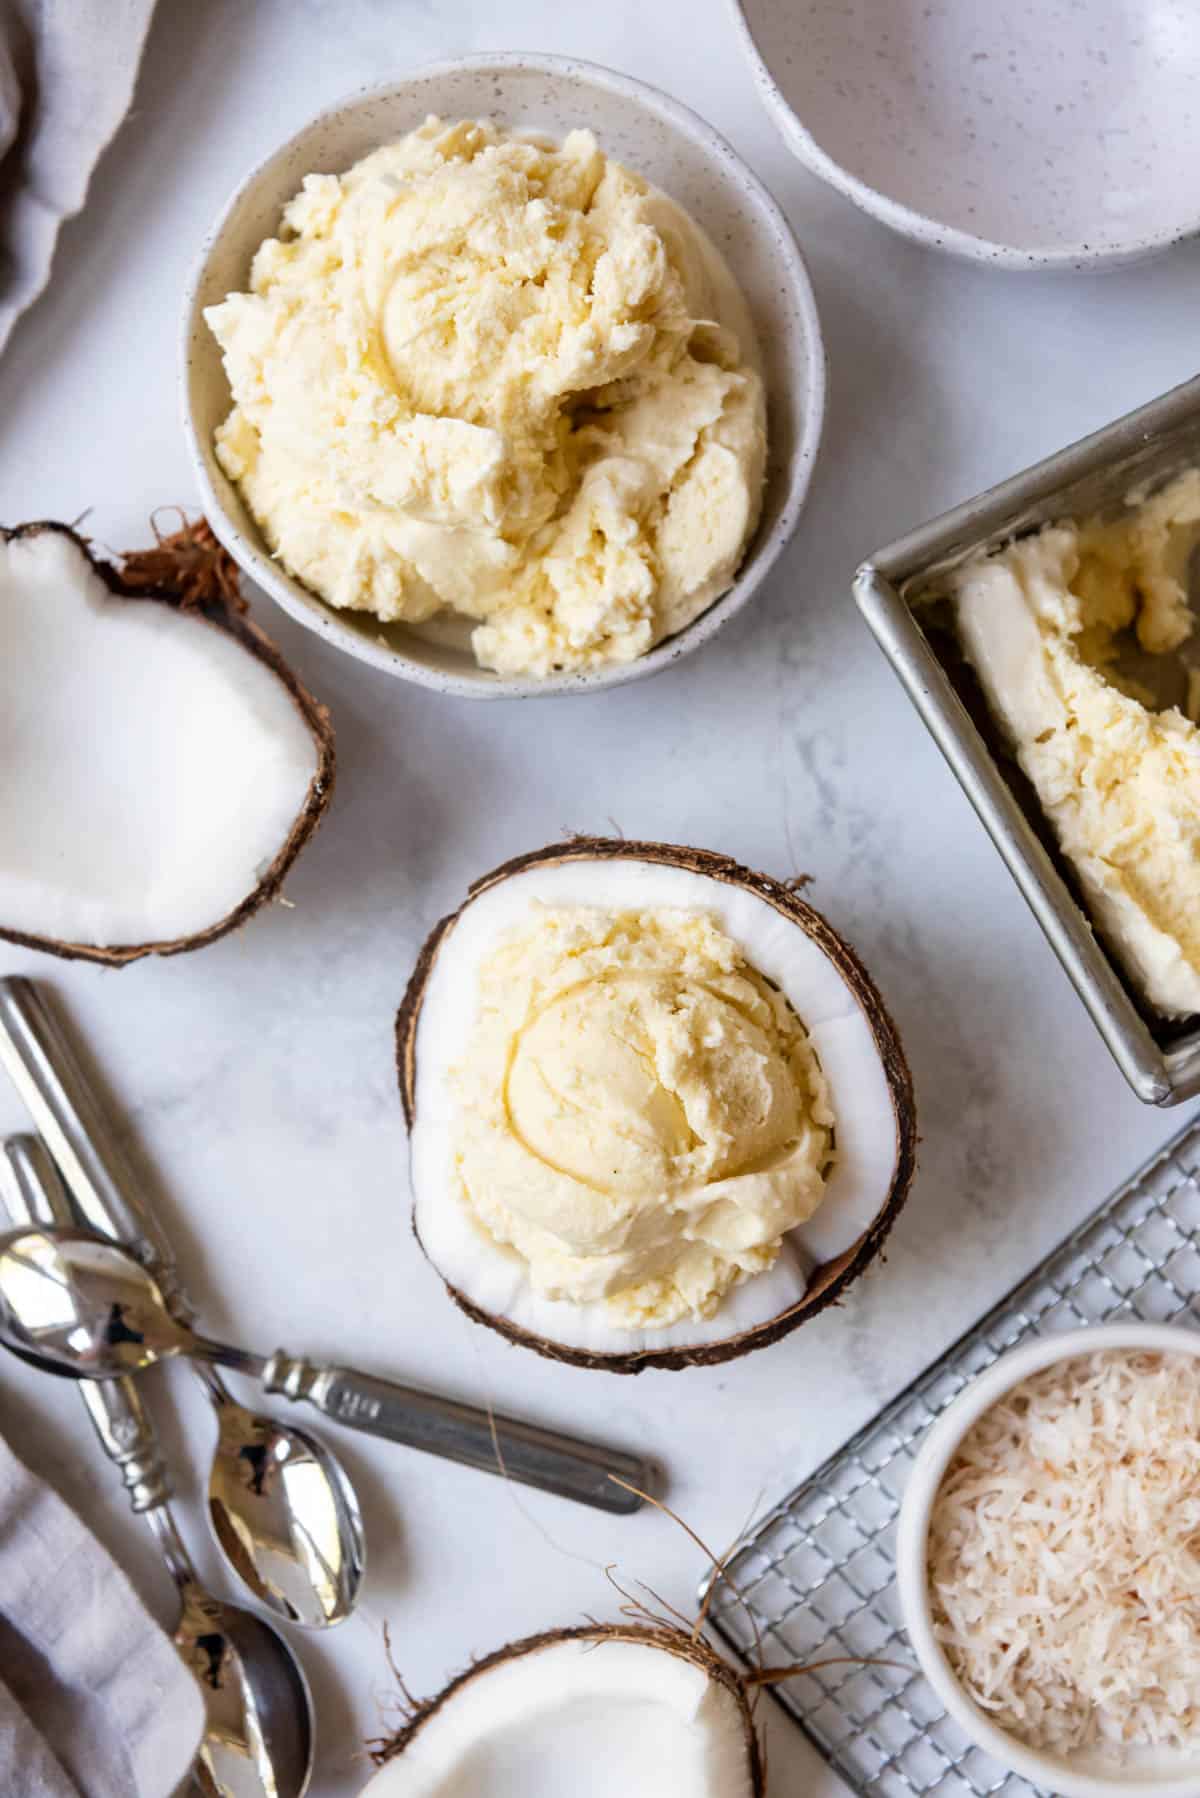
[897, 591]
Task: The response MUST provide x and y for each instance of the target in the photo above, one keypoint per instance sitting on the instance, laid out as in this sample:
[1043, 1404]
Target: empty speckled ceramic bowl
[1048, 135]
[639, 126]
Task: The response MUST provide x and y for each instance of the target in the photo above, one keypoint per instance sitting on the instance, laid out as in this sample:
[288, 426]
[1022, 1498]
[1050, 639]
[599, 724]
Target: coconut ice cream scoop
[163, 766]
[658, 1111]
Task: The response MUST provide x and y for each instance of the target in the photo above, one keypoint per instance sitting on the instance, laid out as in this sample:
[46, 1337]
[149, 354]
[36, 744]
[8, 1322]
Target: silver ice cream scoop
[74, 1303]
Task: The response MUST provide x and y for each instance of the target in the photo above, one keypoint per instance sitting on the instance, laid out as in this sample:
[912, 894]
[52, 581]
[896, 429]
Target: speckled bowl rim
[765, 548]
[1047, 1772]
[921, 226]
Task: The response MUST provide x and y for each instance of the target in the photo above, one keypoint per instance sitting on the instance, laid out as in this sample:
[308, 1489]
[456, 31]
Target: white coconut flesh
[493, 1277]
[592, 1719]
[153, 767]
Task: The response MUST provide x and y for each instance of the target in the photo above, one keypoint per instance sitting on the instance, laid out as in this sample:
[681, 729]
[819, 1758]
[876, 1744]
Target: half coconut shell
[736, 1738]
[266, 768]
[830, 1277]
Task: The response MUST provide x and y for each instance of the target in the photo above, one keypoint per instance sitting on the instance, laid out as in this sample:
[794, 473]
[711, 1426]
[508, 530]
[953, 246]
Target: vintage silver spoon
[76, 1302]
[258, 1740]
[281, 1506]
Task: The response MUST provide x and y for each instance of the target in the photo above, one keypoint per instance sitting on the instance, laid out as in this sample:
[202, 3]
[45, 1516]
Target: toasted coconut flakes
[1064, 1555]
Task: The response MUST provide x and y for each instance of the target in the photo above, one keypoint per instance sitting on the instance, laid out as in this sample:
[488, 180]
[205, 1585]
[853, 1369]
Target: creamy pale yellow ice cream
[484, 374]
[641, 1115]
[1119, 781]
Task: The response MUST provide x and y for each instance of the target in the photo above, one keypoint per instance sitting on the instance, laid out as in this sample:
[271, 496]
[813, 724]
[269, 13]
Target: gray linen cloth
[67, 69]
[94, 1700]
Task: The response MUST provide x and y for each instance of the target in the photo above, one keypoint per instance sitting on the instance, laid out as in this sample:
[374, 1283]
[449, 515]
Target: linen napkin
[67, 69]
[94, 1700]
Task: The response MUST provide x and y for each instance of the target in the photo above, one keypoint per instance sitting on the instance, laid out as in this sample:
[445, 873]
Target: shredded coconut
[1064, 1555]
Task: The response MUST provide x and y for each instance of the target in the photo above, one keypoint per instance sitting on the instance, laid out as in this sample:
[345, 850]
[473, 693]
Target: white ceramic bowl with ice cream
[373, 416]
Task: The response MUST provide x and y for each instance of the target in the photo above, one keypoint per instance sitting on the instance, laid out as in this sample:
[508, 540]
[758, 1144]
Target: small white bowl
[1167, 1775]
[655, 136]
[1023, 136]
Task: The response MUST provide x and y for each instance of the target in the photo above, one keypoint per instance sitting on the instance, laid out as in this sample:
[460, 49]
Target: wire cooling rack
[817, 1576]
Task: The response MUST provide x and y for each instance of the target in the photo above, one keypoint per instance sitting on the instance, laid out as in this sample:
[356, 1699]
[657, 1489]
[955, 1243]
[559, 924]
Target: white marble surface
[255, 1078]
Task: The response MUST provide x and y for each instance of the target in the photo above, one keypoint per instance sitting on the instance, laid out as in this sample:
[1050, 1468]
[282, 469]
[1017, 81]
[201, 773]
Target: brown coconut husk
[190, 572]
[831, 1279]
[642, 1623]
[671, 1639]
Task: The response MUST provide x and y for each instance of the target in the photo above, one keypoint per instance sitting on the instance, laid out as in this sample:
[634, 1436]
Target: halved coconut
[595, 1712]
[798, 953]
[163, 767]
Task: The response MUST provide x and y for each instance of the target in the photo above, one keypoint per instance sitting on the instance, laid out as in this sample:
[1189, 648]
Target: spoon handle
[45, 1070]
[457, 1432]
[34, 1194]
